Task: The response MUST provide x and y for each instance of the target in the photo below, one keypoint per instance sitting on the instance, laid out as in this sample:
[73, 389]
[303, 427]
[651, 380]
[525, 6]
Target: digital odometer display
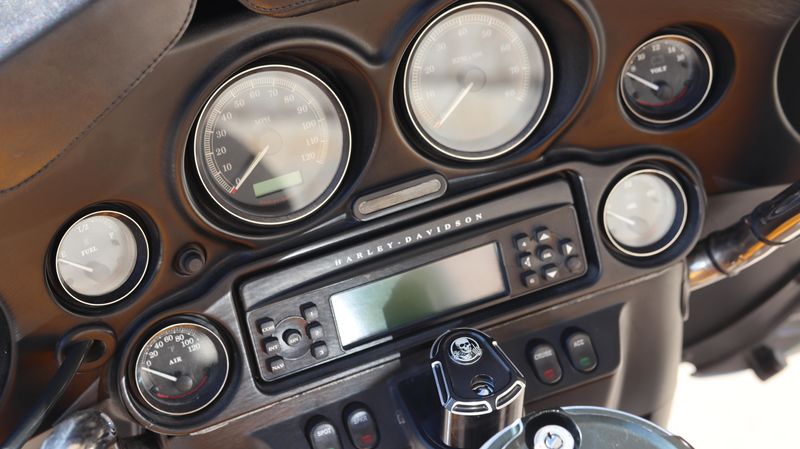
[420, 293]
[272, 145]
[478, 81]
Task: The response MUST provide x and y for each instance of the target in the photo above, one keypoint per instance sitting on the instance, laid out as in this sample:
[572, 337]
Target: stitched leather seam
[111, 106]
[252, 5]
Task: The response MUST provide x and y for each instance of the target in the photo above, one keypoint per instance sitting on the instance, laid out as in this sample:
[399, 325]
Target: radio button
[272, 346]
[319, 350]
[526, 262]
[530, 279]
[545, 253]
[276, 365]
[550, 272]
[574, 264]
[266, 327]
[522, 243]
[567, 247]
[292, 337]
[315, 331]
[310, 312]
[543, 235]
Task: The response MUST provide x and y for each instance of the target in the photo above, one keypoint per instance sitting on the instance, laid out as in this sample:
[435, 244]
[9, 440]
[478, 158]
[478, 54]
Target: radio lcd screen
[382, 306]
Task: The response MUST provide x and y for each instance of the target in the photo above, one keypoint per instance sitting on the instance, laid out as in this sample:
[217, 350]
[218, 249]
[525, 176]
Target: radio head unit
[490, 253]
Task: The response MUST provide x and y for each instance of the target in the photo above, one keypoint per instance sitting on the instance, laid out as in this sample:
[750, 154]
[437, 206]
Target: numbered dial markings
[101, 258]
[478, 81]
[181, 369]
[272, 145]
[666, 79]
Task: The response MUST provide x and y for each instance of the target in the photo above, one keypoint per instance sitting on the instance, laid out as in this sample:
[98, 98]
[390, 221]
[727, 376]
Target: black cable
[74, 355]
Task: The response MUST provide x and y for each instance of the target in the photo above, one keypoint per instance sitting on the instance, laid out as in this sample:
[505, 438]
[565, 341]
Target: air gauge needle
[250, 169]
[622, 218]
[160, 374]
[454, 105]
[641, 80]
[77, 265]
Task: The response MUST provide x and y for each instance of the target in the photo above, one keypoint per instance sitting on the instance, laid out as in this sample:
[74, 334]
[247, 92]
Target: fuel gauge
[101, 258]
[666, 79]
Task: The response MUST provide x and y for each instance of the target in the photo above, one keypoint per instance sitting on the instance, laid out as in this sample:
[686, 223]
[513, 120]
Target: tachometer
[272, 144]
[181, 369]
[478, 81]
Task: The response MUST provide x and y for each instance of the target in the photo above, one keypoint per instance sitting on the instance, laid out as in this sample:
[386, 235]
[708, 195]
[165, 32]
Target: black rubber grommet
[103, 346]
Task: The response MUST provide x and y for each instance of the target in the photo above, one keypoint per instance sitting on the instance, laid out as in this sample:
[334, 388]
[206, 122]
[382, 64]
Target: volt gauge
[666, 79]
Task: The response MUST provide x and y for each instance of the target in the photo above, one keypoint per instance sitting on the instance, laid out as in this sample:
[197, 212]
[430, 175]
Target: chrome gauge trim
[346, 151]
[692, 42]
[135, 228]
[676, 234]
[516, 141]
[158, 333]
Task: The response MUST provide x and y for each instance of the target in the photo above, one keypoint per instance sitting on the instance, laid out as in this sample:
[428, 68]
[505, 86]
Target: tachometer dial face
[645, 212]
[666, 79]
[101, 258]
[181, 369]
[478, 81]
[272, 145]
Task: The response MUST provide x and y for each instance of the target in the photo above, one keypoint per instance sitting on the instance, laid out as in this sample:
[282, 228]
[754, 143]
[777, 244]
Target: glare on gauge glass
[478, 80]
[272, 144]
[642, 210]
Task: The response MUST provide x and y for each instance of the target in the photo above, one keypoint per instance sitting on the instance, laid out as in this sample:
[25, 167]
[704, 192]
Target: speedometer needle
[454, 105]
[77, 265]
[160, 374]
[250, 169]
[641, 80]
[622, 218]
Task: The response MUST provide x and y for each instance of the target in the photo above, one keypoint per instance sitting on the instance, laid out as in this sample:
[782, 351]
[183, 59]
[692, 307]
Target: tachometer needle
[454, 105]
[76, 265]
[641, 80]
[160, 374]
[250, 169]
[622, 218]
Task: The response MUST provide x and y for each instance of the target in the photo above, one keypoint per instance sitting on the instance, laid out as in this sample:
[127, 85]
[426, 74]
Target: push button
[574, 264]
[276, 365]
[310, 312]
[362, 429]
[530, 279]
[319, 350]
[522, 243]
[550, 273]
[525, 262]
[543, 235]
[272, 346]
[266, 327]
[315, 331]
[581, 352]
[545, 363]
[322, 435]
[567, 247]
[292, 337]
[545, 253]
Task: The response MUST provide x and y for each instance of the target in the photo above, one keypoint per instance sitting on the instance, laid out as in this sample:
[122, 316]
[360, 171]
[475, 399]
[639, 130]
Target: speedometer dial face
[666, 79]
[272, 145]
[478, 81]
[181, 369]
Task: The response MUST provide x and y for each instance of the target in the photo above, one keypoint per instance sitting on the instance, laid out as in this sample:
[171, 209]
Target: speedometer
[272, 145]
[478, 81]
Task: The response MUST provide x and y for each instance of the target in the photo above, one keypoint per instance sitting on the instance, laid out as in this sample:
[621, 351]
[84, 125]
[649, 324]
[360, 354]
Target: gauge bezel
[164, 327]
[134, 280]
[341, 172]
[706, 57]
[538, 115]
[678, 224]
